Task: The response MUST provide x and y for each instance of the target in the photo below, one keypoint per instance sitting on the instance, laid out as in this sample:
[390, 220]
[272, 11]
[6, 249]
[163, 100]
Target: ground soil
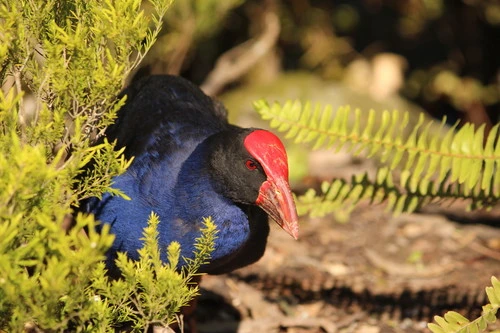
[374, 273]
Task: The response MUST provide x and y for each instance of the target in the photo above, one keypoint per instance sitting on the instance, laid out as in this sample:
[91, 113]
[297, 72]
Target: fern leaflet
[453, 322]
[459, 164]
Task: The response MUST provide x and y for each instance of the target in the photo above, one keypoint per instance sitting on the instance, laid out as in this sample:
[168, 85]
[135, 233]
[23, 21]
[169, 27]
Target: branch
[239, 60]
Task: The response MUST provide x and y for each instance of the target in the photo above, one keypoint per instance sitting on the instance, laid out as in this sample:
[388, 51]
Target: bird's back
[163, 115]
[163, 120]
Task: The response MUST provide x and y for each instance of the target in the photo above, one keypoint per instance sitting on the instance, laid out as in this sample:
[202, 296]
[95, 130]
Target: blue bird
[190, 163]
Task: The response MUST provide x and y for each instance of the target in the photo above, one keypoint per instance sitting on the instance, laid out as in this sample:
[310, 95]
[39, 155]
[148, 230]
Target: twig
[393, 268]
[8, 83]
[19, 90]
[239, 60]
[475, 246]
[182, 48]
[346, 321]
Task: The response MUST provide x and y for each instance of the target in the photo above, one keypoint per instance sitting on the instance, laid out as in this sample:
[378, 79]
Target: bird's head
[250, 167]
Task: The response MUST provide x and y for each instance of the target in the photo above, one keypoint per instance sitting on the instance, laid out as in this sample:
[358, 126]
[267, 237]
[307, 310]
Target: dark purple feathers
[189, 163]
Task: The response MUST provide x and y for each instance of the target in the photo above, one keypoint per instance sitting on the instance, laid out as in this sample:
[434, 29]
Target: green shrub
[63, 64]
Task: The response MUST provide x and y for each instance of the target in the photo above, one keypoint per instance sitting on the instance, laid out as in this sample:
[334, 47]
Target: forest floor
[375, 273]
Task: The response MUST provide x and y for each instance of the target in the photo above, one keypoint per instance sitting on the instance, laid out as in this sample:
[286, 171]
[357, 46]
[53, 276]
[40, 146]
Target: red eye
[251, 165]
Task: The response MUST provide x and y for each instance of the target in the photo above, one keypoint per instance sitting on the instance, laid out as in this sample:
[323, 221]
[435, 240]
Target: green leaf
[435, 328]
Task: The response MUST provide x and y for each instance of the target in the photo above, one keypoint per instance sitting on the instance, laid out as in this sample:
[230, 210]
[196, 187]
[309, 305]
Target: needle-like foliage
[152, 293]
[63, 64]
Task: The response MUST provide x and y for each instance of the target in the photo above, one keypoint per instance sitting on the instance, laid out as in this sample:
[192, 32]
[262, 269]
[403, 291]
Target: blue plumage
[186, 166]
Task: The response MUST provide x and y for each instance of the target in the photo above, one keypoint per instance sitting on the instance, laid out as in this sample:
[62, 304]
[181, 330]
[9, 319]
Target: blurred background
[441, 55]
[436, 56]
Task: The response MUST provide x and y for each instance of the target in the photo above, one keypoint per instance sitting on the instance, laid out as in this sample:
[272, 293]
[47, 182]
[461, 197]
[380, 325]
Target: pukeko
[190, 163]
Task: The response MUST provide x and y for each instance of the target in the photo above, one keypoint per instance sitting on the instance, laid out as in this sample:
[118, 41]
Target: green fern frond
[459, 164]
[341, 194]
[453, 322]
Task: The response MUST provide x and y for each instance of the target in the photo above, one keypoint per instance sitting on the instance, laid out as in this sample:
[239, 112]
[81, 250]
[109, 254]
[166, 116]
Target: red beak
[275, 196]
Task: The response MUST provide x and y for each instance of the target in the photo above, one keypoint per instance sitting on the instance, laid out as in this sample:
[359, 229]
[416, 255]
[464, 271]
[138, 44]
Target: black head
[249, 166]
[235, 173]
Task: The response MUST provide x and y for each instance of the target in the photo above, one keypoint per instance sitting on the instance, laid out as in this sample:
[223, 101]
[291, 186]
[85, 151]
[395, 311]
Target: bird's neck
[194, 188]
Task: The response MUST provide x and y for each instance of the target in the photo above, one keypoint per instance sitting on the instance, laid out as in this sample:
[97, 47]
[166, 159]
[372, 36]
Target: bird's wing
[163, 120]
[164, 115]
